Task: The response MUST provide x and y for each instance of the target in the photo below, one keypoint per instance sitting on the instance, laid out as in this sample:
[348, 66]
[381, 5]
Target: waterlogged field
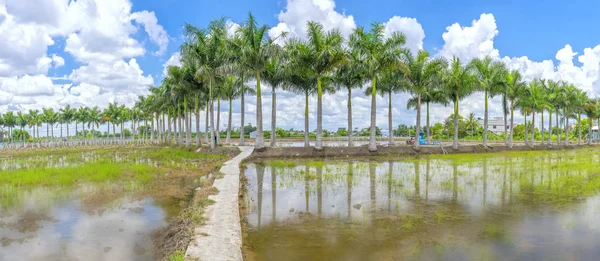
[512, 206]
[96, 205]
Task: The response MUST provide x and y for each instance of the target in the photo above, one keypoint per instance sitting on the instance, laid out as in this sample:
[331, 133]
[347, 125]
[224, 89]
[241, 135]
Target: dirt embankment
[362, 151]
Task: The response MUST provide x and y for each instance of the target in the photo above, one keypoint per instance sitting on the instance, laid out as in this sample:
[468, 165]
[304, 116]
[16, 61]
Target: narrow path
[220, 238]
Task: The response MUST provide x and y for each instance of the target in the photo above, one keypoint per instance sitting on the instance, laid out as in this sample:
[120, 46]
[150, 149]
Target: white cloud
[298, 12]
[156, 32]
[411, 28]
[28, 85]
[470, 42]
[117, 77]
[57, 61]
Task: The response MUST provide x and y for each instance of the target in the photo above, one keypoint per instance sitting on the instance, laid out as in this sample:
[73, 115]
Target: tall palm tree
[67, 115]
[34, 118]
[472, 123]
[207, 49]
[580, 100]
[389, 82]
[254, 49]
[94, 119]
[300, 80]
[22, 121]
[432, 94]
[552, 96]
[568, 103]
[590, 109]
[459, 83]
[83, 116]
[422, 74]
[350, 76]
[274, 75]
[378, 55]
[10, 121]
[490, 75]
[535, 101]
[514, 90]
[50, 119]
[319, 55]
[232, 89]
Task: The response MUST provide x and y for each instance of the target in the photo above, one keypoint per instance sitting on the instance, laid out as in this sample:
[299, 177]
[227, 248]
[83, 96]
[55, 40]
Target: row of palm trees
[216, 65]
[114, 114]
[220, 66]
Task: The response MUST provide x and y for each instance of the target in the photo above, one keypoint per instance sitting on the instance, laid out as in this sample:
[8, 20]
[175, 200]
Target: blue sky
[92, 52]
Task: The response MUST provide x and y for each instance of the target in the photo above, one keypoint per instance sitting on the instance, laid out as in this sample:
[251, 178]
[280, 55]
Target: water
[96, 218]
[513, 206]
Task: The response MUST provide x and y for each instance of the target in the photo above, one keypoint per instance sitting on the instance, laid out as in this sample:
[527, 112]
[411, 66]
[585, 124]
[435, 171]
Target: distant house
[595, 135]
[385, 133]
[253, 135]
[496, 125]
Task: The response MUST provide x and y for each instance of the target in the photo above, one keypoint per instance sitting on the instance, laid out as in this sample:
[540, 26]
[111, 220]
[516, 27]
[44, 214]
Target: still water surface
[109, 219]
[513, 206]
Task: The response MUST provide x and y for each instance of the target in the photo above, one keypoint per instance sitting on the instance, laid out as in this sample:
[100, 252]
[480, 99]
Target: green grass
[176, 256]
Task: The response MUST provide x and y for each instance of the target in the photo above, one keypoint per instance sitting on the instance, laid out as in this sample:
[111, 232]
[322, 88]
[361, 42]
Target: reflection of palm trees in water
[320, 188]
[349, 184]
[427, 179]
[372, 181]
[389, 189]
[417, 180]
[274, 192]
[306, 186]
[485, 179]
[454, 181]
[260, 173]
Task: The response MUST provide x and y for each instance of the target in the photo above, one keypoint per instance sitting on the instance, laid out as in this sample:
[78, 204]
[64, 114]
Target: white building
[496, 125]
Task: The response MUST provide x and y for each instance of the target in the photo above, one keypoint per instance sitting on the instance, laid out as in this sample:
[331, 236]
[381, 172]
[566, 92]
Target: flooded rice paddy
[93, 205]
[509, 206]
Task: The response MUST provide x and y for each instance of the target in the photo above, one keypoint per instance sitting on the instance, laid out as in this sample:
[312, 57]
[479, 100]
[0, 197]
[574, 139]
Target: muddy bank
[309, 152]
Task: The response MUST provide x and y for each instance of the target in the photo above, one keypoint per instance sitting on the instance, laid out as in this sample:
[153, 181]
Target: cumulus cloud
[298, 12]
[98, 34]
[470, 42]
[411, 28]
[175, 60]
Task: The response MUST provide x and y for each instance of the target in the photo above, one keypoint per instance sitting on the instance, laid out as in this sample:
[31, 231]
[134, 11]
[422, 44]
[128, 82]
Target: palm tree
[552, 96]
[301, 81]
[274, 75]
[378, 55]
[50, 118]
[22, 121]
[422, 75]
[254, 49]
[459, 82]
[67, 115]
[472, 123]
[94, 119]
[83, 116]
[490, 75]
[590, 109]
[568, 102]
[350, 76]
[580, 100]
[389, 82]
[232, 89]
[319, 56]
[534, 101]
[34, 119]
[514, 89]
[10, 121]
[433, 94]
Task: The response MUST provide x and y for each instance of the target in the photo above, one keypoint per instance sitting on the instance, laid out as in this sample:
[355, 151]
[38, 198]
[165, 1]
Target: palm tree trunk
[180, 122]
[566, 127]
[306, 137]
[532, 128]
[273, 118]
[526, 130]
[243, 110]
[67, 130]
[47, 131]
[485, 120]
[259, 143]
[542, 143]
[512, 123]
[206, 133]
[213, 143]
[372, 143]
[228, 139]
[428, 126]
[418, 126]
[218, 121]
[390, 124]
[504, 114]
[76, 128]
[319, 143]
[115, 132]
[61, 128]
[197, 124]
[558, 133]
[152, 127]
[455, 140]
[550, 128]
[188, 125]
[350, 130]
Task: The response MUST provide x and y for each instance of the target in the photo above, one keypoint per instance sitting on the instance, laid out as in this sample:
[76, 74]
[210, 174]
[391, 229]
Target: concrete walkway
[220, 238]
